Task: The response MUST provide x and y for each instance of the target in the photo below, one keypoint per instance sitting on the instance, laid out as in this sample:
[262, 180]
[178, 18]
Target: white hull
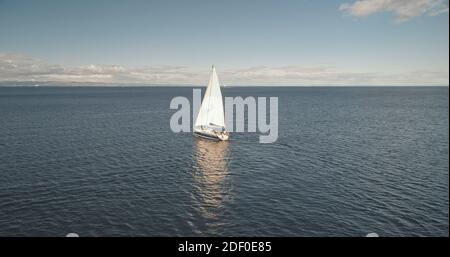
[211, 135]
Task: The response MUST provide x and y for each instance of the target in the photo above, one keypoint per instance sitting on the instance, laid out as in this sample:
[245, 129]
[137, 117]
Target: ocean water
[104, 162]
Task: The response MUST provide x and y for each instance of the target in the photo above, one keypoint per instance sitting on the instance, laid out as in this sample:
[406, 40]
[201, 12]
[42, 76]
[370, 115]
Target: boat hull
[206, 136]
[210, 136]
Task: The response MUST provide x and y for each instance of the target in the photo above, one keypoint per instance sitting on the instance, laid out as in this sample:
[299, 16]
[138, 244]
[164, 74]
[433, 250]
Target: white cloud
[14, 67]
[402, 9]
[299, 75]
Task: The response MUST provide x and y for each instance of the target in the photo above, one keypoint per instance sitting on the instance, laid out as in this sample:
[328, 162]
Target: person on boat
[223, 132]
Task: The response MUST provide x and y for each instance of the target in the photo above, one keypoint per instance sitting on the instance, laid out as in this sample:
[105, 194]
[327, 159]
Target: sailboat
[210, 123]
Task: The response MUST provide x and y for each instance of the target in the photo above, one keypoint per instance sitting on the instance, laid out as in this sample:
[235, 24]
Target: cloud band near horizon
[18, 67]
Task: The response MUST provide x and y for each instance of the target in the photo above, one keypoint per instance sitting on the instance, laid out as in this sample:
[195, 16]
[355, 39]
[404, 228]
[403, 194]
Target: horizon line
[135, 84]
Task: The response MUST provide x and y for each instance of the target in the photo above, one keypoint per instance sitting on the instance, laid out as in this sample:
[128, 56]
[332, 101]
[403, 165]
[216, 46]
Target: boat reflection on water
[211, 178]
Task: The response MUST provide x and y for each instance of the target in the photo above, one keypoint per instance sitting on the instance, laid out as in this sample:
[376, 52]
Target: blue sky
[371, 42]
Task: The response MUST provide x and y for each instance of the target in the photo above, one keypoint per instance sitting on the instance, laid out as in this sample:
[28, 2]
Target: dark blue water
[104, 162]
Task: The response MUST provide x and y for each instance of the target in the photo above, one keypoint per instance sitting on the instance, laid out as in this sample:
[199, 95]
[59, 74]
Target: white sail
[211, 111]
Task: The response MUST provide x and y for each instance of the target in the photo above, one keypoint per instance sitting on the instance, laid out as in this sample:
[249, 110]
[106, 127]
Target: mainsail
[211, 111]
